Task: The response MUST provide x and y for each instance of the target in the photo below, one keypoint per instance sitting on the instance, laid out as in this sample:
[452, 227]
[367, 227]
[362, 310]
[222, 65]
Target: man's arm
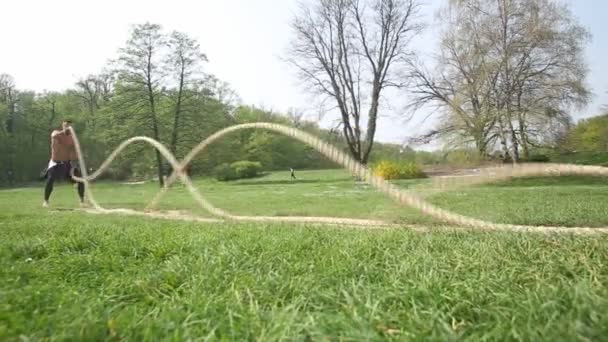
[58, 132]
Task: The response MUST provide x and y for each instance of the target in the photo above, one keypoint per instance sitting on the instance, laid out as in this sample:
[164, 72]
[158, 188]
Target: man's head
[65, 124]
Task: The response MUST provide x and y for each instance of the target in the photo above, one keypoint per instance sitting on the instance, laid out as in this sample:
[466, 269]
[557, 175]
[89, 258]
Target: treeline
[28, 119]
[155, 87]
[507, 77]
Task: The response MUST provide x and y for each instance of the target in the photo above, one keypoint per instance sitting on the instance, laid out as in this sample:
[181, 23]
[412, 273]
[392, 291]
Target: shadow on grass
[292, 182]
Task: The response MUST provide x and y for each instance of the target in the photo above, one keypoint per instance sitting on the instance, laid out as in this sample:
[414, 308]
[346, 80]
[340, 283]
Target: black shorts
[62, 171]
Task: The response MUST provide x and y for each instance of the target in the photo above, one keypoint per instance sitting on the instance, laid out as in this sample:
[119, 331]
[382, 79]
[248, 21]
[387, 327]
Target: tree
[516, 66]
[8, 98]
[183, 63]
[589, 135]
[350, 51]
[140, 77]
[222, 92]
[93, 92]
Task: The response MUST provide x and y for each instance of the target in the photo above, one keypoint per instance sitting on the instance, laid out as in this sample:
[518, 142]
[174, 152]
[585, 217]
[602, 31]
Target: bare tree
[542, 68]
[296, 117]
[350, 51]
[460, 86]
[528, 58]
[89, 91]
[49, 107]
[221, 91]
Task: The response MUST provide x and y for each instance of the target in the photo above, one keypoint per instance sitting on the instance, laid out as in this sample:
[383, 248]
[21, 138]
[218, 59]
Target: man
[293, 173]
[63, 160]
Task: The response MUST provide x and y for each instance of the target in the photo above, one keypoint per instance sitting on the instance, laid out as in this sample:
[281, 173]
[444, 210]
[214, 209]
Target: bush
[237, 170]
[582, 158]
[224, 173]
[392, 170]
[246, 169]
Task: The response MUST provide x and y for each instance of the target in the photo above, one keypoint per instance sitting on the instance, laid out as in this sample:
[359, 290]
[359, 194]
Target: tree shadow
[60, 210]
[551, 181]
[292, 182]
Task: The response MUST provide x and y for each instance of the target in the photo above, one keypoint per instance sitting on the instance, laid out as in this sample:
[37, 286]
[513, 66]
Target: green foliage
[397, 170]
[589, 135]
[429, 158]
[246, 169]
[237, 170]
[582, 158]
[392, 152]
[224, 173]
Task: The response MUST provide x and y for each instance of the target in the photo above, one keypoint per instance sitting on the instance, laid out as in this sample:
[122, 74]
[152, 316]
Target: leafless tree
[350, 51]
[523, 58]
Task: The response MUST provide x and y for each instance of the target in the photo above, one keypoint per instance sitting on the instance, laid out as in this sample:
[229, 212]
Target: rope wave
[401, 196]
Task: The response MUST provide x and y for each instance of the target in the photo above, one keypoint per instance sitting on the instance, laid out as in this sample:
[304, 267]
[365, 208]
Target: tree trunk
[155, 131]
[480, 144]
[523, 136]
[514, 142]
[351, 142]
[11, 135]
[371, 123]
[177, 112]
[503, 140]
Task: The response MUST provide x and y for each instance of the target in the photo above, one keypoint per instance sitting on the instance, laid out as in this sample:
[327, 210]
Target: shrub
[237, 170]
[246, 169]
[392, 170]
[224, 173]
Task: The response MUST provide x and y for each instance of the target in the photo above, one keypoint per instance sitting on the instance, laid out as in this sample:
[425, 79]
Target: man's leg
[80, 185]
[50, 180]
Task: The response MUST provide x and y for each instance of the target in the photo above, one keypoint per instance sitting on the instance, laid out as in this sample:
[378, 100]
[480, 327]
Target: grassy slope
[74, 276]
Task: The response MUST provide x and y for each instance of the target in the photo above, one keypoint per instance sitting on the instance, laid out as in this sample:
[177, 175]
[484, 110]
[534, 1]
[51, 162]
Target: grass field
[66, 275]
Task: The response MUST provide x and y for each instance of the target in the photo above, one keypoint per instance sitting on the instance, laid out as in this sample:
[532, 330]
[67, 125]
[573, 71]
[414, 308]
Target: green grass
[70, 276]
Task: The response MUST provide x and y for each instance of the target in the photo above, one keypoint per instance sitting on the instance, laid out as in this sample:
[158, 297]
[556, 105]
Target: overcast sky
[48, 45]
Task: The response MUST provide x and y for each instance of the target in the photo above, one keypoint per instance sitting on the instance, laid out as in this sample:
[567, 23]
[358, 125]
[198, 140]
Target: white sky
[48, 45]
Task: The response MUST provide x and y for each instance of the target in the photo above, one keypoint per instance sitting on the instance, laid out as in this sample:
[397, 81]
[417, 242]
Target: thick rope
[355, 168]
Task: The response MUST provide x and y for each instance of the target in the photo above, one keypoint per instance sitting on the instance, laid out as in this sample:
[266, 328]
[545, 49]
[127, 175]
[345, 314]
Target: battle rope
[355, 168]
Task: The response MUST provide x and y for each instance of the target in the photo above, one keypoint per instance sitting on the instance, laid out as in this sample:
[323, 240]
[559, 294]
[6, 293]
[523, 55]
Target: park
[149, 201]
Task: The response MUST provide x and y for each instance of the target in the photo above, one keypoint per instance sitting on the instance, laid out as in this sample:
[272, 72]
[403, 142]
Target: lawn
[66, 275]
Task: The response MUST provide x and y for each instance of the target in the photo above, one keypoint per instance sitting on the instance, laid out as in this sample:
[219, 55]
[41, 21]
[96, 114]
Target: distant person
[293, 173]
[63, 160]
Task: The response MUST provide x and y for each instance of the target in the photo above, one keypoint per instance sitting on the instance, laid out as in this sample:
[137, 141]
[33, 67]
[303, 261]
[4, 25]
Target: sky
[48, 45]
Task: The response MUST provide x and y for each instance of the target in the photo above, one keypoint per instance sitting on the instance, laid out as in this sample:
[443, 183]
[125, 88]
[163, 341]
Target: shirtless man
[63, 160]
